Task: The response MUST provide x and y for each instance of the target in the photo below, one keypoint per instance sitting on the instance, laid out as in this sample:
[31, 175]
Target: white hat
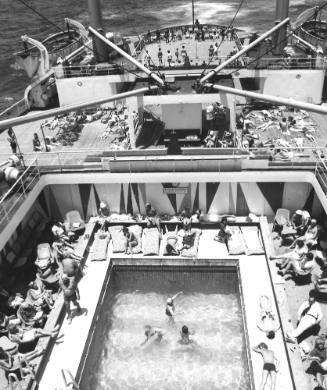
[102, 205]
[169, 301]
[299, 212]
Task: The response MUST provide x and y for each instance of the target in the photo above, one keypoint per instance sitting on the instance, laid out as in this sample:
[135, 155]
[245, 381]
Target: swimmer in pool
[185, 336]
[152, 334]
[170, 307]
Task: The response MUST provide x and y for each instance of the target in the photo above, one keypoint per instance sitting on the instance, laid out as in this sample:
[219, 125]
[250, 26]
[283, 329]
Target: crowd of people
[182, 237]
[305, 253]
[23, 316]
[179, 57]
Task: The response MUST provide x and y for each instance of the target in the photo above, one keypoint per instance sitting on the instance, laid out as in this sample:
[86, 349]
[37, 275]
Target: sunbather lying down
[267, 322]
[19, 335]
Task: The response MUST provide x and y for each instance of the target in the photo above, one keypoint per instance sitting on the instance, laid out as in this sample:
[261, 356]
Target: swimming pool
[136, 296]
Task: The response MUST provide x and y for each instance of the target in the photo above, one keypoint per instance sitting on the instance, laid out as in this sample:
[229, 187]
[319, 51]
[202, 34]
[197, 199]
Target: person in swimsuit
[185, 336]
[152, 334]
[270, 362]
[267, 322]
[171, 242]
[170, 307]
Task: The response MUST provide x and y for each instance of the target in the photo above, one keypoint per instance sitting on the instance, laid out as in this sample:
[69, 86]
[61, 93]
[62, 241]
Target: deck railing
[91, 159]
[193, 159]
[16, 195]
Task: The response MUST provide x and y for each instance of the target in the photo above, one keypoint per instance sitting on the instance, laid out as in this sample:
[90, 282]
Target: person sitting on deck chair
[310, 236]
[224, 234]
[18, 364]
[21, 336]
[103, 211]
[318, 361]
[309, 315]
[296, 254]
[65, 250]
[131, 240]
[151, 217]
[60, 234]
[300, 221]
[38, 297]
[297, 267]
[267, 322]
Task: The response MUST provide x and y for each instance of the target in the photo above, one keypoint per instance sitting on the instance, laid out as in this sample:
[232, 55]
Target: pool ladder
[70, 383]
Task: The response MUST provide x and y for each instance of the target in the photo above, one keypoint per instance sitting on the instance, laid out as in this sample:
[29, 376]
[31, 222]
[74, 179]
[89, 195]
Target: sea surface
[125, 16]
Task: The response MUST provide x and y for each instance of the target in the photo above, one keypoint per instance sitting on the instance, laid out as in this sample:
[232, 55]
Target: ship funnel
[100, 49]
[280, 39]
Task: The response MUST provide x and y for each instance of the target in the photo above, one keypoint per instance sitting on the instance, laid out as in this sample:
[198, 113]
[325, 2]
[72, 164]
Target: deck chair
[282, 218]
[75, 222]
[302, 277]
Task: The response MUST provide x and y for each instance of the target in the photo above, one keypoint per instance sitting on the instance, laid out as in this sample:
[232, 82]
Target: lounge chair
[74, 222]
[320, 285]
[303, 277]
[282, 218]
[46, 267]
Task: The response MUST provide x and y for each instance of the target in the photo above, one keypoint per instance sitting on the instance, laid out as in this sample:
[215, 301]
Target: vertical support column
[100, 48]
[280, 36]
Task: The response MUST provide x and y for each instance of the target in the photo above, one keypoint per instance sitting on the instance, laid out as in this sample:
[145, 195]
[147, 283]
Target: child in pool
[269, 365]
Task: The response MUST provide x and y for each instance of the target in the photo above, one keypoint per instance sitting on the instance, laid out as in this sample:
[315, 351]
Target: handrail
[31, 165]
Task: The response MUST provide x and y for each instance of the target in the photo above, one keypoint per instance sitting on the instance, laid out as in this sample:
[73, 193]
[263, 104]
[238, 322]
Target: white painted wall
[299, 84]
[82, 89]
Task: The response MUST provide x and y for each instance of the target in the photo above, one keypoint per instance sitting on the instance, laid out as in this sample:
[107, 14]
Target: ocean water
[125, 16]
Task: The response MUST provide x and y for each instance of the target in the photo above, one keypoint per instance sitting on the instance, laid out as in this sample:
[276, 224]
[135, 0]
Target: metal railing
[312, 158]
[89, 159]
[321, 173]
[18, 192]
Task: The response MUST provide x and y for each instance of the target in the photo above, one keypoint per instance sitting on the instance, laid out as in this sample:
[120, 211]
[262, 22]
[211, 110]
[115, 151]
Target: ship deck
[67, 352]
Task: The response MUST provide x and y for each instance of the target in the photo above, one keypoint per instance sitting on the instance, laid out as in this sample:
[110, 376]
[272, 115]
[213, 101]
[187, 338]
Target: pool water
[209, 305]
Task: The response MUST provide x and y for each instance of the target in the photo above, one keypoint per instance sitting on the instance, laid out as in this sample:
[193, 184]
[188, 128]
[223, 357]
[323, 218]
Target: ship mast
[193, 14]
[100, 48]
[281, 35]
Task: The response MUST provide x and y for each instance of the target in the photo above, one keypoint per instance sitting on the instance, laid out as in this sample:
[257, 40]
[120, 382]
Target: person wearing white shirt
[309, 314]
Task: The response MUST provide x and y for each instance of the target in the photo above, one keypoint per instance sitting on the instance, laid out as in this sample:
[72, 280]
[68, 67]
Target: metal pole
[244, 50]
[45, 142]
[128, 57]
[272, 99]
[63, 110]
[193, 16]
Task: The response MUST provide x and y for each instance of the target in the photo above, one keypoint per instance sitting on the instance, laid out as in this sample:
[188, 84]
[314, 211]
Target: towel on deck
[236, 244]
[252, 239]
[150, 241]
[119, 241]
[193, 241]
[137, 231]
[100, 246]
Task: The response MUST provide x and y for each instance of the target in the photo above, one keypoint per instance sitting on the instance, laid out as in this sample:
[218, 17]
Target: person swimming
[152, 335]
[185, 336]
[170, 307]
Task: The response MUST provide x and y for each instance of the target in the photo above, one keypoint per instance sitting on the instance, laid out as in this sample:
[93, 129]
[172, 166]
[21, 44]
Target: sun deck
[67, 354]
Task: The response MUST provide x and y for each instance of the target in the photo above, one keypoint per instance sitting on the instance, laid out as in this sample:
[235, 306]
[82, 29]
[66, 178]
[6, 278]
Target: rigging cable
[61, 30]
[229, 26]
